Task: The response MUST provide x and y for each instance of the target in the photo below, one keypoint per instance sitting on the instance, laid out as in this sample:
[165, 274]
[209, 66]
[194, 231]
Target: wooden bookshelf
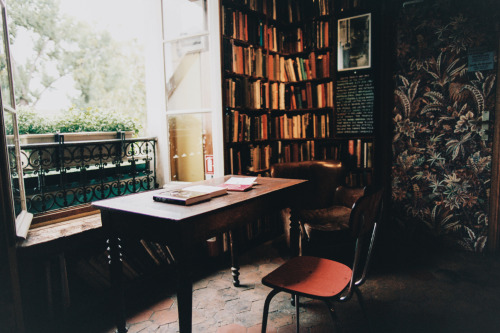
[279, 89]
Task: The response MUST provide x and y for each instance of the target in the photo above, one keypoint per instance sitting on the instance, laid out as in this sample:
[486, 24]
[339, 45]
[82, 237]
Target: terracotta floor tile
[163, 305]
[139, 327]
[233, 328]
[258, 329]
[141, 316]
[163, 317]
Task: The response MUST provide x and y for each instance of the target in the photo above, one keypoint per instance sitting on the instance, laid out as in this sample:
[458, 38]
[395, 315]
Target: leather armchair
[325, 204]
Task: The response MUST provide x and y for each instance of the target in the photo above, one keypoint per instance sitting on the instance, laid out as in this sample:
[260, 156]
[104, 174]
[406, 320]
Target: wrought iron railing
[59, 175]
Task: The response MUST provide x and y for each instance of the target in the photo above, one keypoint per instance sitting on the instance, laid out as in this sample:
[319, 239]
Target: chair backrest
[323, 178]
[364, 219]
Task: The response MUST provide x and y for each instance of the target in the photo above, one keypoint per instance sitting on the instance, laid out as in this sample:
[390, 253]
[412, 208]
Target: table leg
[116, 274]
[113, 243]
[184, 289]
[235, 267]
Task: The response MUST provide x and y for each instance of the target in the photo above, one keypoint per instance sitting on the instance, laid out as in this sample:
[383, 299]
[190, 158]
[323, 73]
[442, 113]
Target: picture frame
[354, 43]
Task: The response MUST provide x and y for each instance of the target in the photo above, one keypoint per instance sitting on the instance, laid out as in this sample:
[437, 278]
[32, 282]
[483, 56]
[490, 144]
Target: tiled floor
[445, 292]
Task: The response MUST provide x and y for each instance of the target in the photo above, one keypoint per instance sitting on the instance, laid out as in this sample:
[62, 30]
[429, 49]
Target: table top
[143, 203]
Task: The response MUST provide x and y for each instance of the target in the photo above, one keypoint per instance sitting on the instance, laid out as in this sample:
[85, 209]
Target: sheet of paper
[241, 180]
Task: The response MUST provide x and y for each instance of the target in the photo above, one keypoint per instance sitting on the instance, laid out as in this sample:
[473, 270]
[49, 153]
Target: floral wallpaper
[441, 171]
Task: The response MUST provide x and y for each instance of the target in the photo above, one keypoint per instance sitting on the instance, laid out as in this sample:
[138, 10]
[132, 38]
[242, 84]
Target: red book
[312, 60]
[309, 95]
[351, 147]
[236, 187]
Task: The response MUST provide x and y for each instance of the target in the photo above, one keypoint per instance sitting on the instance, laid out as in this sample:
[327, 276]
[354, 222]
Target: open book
[239, 183]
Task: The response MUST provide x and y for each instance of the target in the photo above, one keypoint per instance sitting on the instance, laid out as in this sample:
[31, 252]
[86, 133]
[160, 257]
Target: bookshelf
[281, 89]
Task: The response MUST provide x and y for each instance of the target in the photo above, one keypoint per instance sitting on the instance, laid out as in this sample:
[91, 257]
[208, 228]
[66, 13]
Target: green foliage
[30, 122]
[95, 120]
[107, 73]
[75, 120]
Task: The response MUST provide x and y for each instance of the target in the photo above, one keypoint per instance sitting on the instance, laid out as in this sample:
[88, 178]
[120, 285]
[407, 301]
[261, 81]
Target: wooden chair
[324, 207]
[325, 279]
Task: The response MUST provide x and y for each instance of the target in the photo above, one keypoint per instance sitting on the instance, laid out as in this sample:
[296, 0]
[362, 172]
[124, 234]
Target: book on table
[181, 197]
[239, 184]
[189, 195]
[214, 191]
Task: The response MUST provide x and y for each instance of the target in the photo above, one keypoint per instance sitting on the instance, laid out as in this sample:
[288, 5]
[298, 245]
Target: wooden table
[181, 227]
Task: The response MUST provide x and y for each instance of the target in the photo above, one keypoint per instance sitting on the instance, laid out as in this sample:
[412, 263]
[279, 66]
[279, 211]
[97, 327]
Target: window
[9, 114]
[192, 88]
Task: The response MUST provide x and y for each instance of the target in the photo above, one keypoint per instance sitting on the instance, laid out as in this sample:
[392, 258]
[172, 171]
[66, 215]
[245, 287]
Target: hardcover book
[182, 197]
[214, 191]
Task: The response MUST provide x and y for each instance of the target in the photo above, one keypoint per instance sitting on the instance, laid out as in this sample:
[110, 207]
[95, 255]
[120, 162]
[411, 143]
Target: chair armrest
[347, 196]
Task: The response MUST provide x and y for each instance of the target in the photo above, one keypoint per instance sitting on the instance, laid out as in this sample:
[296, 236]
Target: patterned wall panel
[441, 157]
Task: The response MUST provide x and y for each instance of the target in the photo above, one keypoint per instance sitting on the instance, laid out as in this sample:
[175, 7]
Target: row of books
[251, 159]
[315, 35]
[245, 93]
[289, 11]
[241, 127]
[253, 61]
[258, 158]
[300, 10]
[248, 28]
[140, 258]
[252, 29]
[311, 95]
[266, 7]
[241, 92]
[362, 152]
[262, 229]
[315, 66]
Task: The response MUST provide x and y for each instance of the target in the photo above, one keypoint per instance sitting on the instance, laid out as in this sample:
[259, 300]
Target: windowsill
[61, 215]
[63, 235]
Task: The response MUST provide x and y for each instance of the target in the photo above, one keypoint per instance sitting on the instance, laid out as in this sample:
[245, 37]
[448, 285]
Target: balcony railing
[60, 175]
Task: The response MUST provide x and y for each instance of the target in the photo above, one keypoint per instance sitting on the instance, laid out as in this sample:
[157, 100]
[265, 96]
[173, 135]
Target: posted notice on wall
[481, 61]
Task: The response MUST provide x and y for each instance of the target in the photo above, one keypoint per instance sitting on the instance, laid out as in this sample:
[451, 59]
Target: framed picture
[354, 43]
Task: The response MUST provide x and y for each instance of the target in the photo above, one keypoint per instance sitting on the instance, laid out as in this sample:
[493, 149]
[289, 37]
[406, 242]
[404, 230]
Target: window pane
[184, 17]
[185, 77]
[79, 55]
[4, 71]
[8, 119]
[190, 141]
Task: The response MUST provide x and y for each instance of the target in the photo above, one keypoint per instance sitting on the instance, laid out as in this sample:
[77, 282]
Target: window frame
[24, 218]
[212, 33]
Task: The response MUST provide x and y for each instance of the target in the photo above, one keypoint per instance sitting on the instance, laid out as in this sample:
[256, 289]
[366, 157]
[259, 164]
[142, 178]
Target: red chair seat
[310, 276]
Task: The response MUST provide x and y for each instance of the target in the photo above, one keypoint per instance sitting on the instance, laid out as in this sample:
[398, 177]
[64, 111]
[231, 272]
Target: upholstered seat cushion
[327, 219]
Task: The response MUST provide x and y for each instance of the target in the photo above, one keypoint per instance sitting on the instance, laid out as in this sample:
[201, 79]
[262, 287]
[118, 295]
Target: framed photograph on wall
[354, 43]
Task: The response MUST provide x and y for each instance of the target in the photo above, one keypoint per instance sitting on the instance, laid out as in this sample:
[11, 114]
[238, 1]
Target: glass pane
[190, 141]
[4, 71]
[184, 17]
[8, 118]
[186, 74]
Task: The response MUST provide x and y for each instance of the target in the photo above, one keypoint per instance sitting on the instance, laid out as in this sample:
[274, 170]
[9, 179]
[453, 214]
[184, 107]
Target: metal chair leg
[266, 309]
[297, 310]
